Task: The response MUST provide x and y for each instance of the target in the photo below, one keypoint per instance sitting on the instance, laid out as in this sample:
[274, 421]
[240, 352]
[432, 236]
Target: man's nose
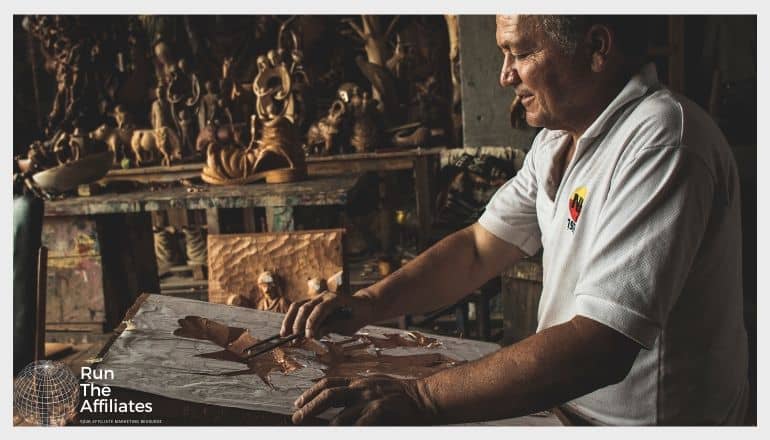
[508, 74]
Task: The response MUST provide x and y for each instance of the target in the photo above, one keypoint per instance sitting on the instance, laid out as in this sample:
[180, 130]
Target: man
[632, 193]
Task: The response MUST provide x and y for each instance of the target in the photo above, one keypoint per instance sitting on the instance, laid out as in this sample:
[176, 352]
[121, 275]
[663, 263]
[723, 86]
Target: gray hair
[564, 30]
[568, 30]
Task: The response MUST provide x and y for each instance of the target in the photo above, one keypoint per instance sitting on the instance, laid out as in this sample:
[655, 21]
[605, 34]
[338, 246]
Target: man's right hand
[307, 317]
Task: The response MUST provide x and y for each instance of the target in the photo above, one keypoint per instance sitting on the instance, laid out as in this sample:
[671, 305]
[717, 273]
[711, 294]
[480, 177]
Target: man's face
[548, 81]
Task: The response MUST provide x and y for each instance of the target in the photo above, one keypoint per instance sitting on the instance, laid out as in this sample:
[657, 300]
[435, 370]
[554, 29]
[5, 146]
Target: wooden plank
[75, 290]
[177, 217]
[320, 191]
[74, 278]
[69, 237]
[249, 220]
[317, 166]
[213, 223]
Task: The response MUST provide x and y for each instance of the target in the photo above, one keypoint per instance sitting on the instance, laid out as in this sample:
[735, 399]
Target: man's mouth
[525, 99]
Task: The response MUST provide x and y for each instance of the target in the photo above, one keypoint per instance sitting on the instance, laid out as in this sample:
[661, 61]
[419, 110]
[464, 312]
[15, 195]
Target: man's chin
[534, 120]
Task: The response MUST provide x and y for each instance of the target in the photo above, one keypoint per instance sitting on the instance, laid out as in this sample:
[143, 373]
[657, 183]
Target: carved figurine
[366, 123]
[324, 134]
[118, 140]
[316, 286]
[208, 106]
[145, 144]
[272, 87]
[183, 94]
[123, 119]
[186, 129]
[230, 88]
[271, 295]
[160, 113]
[163, 61]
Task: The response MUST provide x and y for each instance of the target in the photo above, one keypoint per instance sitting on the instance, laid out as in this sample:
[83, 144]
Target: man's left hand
[377, 400]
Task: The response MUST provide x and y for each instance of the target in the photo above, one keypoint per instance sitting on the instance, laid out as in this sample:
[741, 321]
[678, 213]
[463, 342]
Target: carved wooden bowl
[70, 175]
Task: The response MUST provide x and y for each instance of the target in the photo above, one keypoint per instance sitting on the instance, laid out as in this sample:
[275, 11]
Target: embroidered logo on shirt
[576, 201]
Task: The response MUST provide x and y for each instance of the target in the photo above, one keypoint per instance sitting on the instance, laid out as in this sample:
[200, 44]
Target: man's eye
[521, 56]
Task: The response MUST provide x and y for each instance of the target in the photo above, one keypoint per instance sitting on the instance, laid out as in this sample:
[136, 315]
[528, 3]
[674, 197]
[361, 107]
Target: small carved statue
[324, 135]
[208, 104]
[186, 129]
[164, 61]
[160, 113]
[271, 293]
[366, 123]
[272, 87]
[183, 94]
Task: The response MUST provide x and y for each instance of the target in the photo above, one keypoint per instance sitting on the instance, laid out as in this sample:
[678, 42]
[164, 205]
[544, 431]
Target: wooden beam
[129, 266]
[40, 290]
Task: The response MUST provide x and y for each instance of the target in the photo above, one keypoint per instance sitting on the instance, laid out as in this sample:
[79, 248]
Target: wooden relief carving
[238, 264]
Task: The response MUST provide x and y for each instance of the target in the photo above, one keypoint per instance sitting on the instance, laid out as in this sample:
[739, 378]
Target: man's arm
[445, 273]
[438, 277]
[551, 367]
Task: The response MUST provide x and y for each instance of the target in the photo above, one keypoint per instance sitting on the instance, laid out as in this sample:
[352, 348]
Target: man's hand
[307, 317]
[378, 400]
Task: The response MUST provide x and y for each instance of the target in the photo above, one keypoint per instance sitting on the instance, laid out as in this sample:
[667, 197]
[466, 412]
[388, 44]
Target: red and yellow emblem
[576, 201]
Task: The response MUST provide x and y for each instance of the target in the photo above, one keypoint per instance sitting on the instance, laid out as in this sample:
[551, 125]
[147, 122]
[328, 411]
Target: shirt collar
[636, 87]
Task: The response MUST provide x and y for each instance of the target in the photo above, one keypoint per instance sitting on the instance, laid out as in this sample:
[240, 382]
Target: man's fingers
[317, 317]
[328, 398]
[304, 311]
[372, 414]
[348, 415]
[288, 320]
[310, 393]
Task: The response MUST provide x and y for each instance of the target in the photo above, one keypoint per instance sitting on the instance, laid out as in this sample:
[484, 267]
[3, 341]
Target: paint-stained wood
[74, 278]
[236, 260]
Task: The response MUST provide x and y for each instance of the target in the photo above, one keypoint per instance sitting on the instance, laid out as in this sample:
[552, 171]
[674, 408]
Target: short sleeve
[510, 214]
[648, 234]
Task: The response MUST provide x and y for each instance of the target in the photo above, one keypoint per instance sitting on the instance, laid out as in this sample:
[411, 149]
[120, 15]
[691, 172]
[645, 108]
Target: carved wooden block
[236, 261]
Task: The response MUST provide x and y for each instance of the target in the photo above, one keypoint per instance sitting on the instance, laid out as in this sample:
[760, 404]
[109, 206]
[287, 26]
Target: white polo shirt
[643, 234]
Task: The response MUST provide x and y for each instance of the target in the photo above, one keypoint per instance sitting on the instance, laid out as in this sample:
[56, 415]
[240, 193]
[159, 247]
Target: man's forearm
[439, 276]
[544, 370]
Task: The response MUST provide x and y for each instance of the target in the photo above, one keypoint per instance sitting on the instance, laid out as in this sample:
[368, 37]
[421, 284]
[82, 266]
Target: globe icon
[46, 393]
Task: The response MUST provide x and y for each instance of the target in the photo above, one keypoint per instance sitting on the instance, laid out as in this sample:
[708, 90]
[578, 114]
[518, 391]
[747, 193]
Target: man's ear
[600, 41]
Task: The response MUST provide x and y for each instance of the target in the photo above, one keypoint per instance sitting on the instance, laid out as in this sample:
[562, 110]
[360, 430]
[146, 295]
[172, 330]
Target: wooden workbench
[122, 226]
[153, 317]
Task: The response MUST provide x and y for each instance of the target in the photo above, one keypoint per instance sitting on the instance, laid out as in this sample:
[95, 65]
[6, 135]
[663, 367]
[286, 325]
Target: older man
[632, 192]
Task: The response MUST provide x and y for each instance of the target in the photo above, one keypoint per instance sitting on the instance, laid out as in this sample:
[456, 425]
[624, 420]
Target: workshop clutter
[467, 185]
